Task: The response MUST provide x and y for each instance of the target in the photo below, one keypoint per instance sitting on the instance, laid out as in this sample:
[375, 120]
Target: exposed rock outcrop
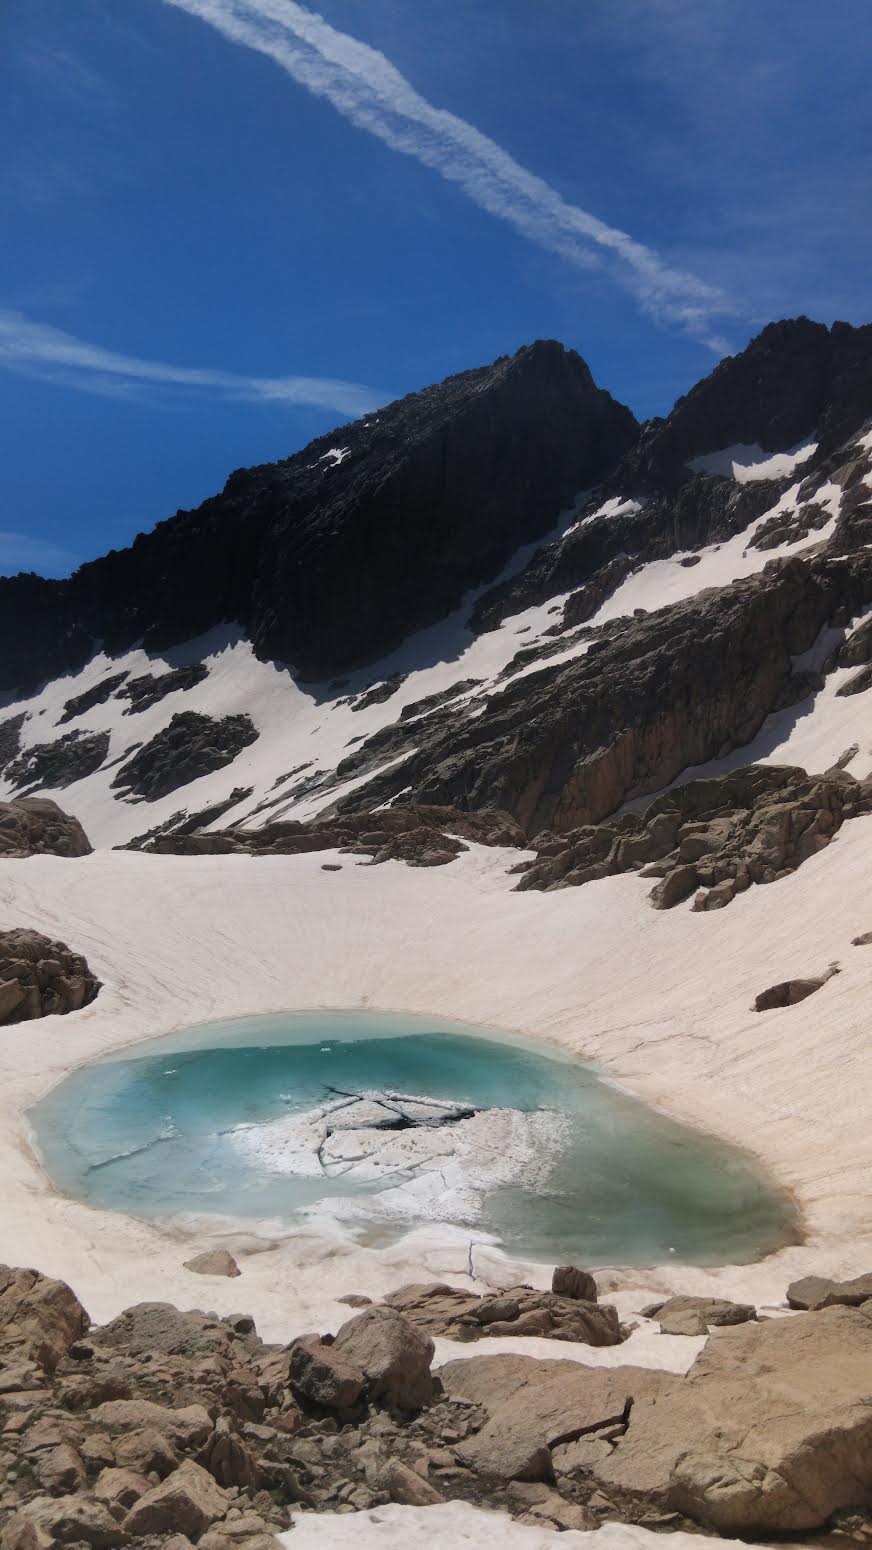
[698, 1315]
[651, 696]
[40, 977]
[420, 836]
[192, 745]
[814, 1292]
[59, 763]
[790, 992]
[753, 825]
[10, 738]
[151, 688]
[98, 694]
[36, 826]
[519, 1310]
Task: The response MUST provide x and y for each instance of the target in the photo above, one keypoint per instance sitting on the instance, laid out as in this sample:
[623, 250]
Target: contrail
[37, 349]
[363, 85]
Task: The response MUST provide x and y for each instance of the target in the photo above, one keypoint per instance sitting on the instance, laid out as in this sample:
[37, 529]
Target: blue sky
[232, 224]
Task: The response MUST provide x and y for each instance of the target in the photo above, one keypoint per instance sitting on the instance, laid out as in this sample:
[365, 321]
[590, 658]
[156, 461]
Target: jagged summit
[331, 557]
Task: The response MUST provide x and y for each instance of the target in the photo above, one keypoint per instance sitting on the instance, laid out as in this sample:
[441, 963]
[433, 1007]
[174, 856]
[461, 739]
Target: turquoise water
[156, 1134]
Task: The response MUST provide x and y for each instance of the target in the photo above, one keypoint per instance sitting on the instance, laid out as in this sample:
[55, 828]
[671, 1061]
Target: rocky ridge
[328, 562]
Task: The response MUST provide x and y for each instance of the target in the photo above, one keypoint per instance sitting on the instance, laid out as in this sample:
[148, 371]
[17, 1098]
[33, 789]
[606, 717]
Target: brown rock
[406, 1486]
[146, 1452]
[60, 1470]
[214, 1262]
[697, 1315]
[250, 1532]
[768, 1434]
[321, 1375]
[32, 826]
[150, 1327]
[39, 1318]
[120, 1487]
[676, 886]
[569, 1281]
[790, 992]
[227, 1458]
[187, 1427]
[814, 1292]
[187, 1502]
[533, 1405]
[392, 1354]
[63, 1520]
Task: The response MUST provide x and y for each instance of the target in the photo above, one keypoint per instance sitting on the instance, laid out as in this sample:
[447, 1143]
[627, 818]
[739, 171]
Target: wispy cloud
[23, 552]
[65, 73]
[38, 349]
[363, 85]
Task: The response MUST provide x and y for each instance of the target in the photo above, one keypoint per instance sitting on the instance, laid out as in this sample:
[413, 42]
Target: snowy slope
[310, 728]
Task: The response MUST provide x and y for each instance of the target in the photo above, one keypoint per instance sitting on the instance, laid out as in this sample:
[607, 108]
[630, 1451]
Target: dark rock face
[796, 380]
[754, 825]
[326, 564]
[10, 738]
[39, 977]
[380, 692]
[652, 696]
[98, 695]
[60, 763]
[191, 746]
[36, 826]
[150, 689]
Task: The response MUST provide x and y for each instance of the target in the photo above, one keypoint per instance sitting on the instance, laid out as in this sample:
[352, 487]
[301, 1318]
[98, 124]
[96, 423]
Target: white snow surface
[457, 1526]
[745, 462]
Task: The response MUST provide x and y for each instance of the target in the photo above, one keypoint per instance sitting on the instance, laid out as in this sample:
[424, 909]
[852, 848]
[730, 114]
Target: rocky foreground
[178, 1428]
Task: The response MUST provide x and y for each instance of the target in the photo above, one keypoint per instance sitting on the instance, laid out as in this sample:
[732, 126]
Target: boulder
[534, 1405]
[814, 1292]
[189, 1426]
[697, 1315]
[214, 1262]
[187, 1502]
[321, 1375]
[520, 1310]
[145, 1451]
[40, 1318]
[406, 1486]
[768, 1434]
[250, 1532]
[393, 1356]
[60, 1470]
[67, 1520]
[158, 1326]
[569, 1281]
[791, 992]
[120, 1487]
